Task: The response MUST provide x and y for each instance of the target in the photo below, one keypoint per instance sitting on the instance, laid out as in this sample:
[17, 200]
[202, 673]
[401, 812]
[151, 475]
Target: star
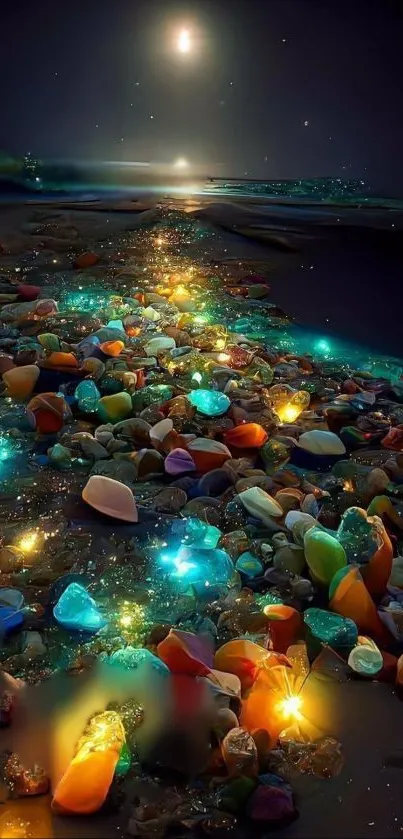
[306, 123]
[151, 116]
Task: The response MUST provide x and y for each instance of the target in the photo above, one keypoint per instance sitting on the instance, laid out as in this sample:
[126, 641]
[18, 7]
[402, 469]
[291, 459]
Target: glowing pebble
[76, 610]
[212, 403]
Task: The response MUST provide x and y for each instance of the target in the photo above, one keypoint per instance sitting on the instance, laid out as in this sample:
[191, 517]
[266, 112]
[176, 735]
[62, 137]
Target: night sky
[272, 88]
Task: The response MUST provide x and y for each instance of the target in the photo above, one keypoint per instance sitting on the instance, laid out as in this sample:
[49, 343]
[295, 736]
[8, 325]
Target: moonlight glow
[181, 163]
[184, 41]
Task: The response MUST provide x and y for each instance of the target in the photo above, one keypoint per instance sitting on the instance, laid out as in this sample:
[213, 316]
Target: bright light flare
[289, 413]
[290, 707]
[28, 542]
[184, 41]
[181, 163]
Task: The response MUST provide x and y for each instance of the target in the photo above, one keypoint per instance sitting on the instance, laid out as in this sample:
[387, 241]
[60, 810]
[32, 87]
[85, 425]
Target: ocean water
[94, 178]
[305, 190]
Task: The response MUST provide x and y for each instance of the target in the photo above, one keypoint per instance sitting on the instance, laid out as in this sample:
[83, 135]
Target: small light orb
[184, 41]
[290, 707]
[28, 542]
[181, 163]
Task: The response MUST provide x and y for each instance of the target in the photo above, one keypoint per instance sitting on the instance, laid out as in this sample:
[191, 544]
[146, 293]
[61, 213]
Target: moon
[184, 42]
[181, 163]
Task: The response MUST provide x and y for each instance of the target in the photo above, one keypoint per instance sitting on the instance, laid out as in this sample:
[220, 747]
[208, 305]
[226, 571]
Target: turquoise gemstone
[115, 324]
[77, 610]
[249, 565]
[209, 402]
[330, 628]
[197, 567]
[202, 535]
[357, 535]
[87, 395]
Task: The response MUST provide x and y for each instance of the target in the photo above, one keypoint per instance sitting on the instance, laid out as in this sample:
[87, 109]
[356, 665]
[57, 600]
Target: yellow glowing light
[160, 241]
[220, 343]
[289, 413]
[290, 707]
[126, 620]
[348, 485]
[14, 828]
[28, 542]
[132, 617]
[181, 163]
[223, 356]
[184, 41]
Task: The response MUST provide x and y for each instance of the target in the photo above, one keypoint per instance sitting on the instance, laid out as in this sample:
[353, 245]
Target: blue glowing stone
[202, 535]
[192, 566]
[209, 402]
[87, 395]
[9, 619]
[115, 324]
[77, 610]
[249, 565]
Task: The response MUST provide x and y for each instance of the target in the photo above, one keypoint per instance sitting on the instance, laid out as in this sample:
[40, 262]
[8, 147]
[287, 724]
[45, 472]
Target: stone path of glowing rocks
[196, 500]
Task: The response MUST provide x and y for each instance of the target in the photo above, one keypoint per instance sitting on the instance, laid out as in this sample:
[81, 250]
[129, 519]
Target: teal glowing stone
[124, 763]
[197, 567]
[330, 628]
[249, 565]
[116, 324]
[76, 610]
[87, 395]
[202, 535]
[212, 403]
[357, 535]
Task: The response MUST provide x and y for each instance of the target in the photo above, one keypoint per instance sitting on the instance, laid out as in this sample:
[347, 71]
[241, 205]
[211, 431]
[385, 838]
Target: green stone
[234, 796]
[124, 763]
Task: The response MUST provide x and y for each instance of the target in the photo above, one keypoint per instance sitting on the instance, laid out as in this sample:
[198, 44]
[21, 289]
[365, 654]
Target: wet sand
[341, 273]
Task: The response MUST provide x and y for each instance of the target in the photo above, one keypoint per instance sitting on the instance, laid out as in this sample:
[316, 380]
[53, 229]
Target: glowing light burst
[6, 449]
[132, 617]
[28, 542]
[181, 163]
[289, 413]
[290, 707]
[322, 346]
[181, 566]
[184, 42]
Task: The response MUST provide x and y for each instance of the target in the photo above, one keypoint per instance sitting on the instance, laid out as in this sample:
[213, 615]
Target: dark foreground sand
[365, 800]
